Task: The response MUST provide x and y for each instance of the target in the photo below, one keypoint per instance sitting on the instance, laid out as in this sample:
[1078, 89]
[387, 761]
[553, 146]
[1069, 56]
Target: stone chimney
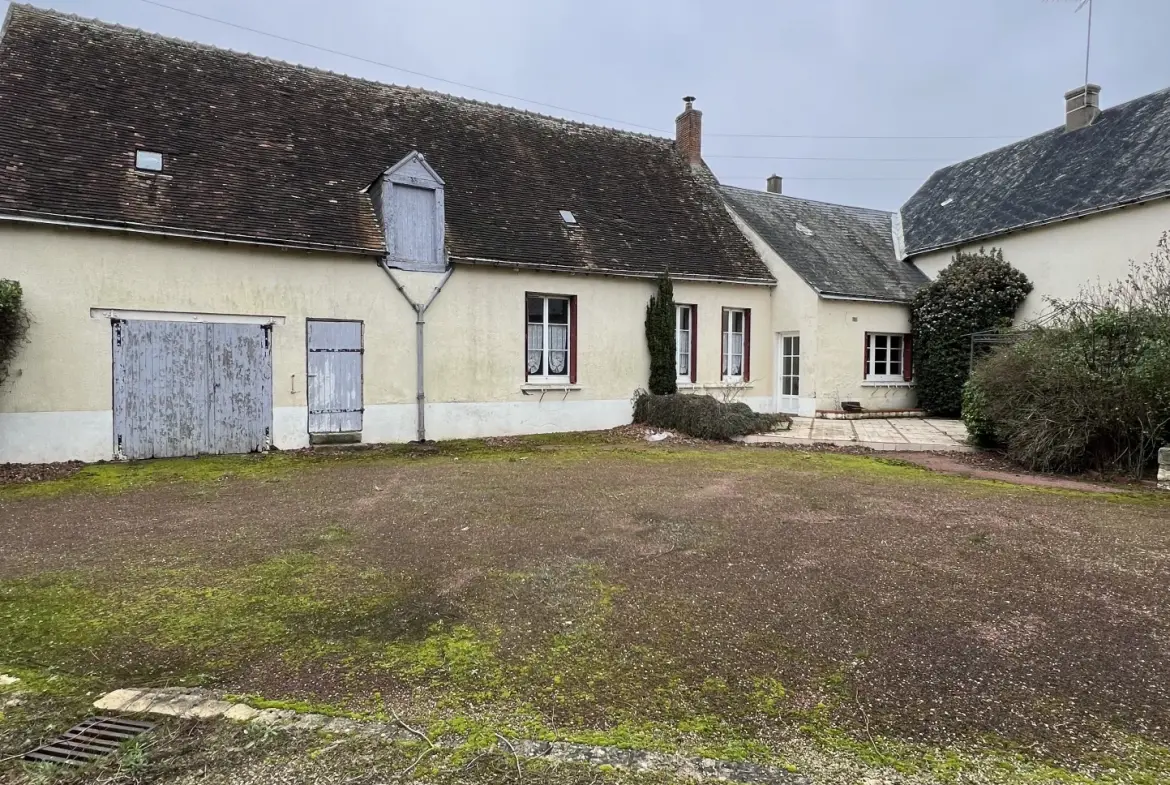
[775, 184]
[1081, 107]
[688, 132]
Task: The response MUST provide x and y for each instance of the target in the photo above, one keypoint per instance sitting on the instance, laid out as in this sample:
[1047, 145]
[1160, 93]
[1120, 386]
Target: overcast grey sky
[821, 68]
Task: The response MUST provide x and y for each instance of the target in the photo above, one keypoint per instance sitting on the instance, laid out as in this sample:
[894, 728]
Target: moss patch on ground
[303, 610]
[720, 601]
[116, 477]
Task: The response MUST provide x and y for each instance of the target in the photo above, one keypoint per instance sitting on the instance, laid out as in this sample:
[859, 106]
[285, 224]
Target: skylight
[568, 217]
[148, 161]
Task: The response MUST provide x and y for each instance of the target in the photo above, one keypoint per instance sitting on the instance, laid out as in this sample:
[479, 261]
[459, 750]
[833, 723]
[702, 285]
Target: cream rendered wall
[57, 404]
[832, 339]
[841, 346]
[794, 309]
[1061, 258]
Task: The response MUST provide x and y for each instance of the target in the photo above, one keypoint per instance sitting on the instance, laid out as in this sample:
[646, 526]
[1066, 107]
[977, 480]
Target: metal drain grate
[88, 740]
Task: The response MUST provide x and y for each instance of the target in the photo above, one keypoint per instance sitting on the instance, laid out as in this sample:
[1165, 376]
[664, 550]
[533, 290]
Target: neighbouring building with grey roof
[1067, 207]
[840, 305]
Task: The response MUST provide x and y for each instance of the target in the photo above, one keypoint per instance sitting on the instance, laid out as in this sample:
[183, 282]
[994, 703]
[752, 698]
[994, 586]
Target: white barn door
[186, 388]
[335, 376]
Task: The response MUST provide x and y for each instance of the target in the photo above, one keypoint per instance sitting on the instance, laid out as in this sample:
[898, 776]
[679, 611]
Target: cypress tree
[660, 316]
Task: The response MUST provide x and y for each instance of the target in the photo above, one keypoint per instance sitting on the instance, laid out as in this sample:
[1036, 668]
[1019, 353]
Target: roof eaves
[862, 298]
[84, 222]
[1164, 193]
[573, 270]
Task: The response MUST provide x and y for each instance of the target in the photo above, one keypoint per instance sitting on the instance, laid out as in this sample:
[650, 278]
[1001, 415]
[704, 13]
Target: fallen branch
[417, 761]
[413, 731]
[865, 717]
[515, 758]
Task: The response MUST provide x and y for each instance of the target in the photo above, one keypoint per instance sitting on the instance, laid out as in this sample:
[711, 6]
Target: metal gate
[335, 376]
[185, 388]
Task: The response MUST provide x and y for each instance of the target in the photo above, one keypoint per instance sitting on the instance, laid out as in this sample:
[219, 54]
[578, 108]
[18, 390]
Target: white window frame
[871, 374]
[548, 378]
[684, 345]
[727, 331]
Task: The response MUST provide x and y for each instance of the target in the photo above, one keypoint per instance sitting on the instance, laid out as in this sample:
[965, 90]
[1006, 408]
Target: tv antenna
[1081, 4]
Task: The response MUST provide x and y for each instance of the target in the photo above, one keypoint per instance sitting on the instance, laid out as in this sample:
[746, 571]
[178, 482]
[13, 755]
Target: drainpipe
[420, 310]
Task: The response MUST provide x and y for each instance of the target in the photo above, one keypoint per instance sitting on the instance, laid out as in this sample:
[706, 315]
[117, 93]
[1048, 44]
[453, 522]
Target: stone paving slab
[902, 434]
[200, 705]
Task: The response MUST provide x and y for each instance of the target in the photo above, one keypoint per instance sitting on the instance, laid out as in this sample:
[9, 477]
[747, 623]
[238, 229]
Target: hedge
[704, 417]
[1090, 388]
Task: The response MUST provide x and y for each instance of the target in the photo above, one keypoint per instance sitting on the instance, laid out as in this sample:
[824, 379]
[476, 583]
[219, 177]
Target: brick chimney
[688, 132]
[1081, 107]
[775, 184]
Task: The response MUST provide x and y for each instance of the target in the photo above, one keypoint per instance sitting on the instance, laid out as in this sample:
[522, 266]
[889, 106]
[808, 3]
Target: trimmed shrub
[704, 417]
[976, 292]
[660, 338]
[14, 323]
[1090, 390]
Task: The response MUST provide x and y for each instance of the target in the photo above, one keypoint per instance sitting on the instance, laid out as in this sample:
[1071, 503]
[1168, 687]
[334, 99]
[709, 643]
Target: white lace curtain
[558, 349]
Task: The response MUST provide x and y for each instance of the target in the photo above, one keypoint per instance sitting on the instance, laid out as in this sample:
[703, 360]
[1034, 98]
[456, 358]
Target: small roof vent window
[568, 217]
[148, 161]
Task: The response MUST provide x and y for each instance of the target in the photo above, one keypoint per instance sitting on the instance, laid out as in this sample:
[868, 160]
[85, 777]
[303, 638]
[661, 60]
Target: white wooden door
[789, 366]
[335, 376]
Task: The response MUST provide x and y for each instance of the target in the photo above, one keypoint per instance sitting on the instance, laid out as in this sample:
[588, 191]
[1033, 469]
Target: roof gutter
[555, 268]
[1041, 222]
[860, 298]
[81, 222]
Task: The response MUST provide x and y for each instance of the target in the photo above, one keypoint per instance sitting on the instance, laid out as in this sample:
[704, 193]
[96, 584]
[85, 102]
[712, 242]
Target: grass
[680, 600]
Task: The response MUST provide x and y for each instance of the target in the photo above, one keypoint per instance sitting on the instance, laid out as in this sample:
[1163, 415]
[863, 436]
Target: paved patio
[902, 433]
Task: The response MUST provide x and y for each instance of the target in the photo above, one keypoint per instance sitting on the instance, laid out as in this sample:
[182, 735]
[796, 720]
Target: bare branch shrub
[1089, 389]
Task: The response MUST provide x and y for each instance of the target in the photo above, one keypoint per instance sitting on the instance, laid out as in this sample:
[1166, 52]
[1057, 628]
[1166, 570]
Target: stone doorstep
[197, 705]
[807, 441]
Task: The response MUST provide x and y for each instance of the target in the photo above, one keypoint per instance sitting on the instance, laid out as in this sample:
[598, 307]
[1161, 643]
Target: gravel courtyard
[839, 615]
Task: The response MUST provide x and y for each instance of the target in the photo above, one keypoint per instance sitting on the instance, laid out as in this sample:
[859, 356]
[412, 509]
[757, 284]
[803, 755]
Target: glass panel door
[789, 381]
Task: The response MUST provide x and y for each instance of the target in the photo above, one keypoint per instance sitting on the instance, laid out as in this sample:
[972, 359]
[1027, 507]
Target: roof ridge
[115, 26]
[770, 194]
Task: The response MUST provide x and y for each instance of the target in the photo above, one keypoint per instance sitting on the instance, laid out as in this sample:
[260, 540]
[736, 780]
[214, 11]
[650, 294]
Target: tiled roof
[273, 152]
[1122, 158]
[838, 250]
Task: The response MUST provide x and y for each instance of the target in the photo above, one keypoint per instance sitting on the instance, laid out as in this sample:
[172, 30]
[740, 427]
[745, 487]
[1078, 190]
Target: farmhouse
[224, 253]
[1067, 207]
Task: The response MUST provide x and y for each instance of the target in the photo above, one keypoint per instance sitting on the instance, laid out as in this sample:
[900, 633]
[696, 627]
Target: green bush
[975, 416]
[660, 338]
[14, 323]
[704, 417]
[976, 292]
[1089, 390]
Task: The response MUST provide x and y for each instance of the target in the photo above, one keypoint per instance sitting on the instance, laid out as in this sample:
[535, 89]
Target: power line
[392, 67]
[512, 97]
[828, 158]
[761, 178]
[829, 136]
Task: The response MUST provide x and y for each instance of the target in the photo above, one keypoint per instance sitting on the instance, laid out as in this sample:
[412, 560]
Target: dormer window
[410, 198]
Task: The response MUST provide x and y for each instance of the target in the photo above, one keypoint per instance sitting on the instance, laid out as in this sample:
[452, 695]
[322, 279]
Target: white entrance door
[789, 365]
